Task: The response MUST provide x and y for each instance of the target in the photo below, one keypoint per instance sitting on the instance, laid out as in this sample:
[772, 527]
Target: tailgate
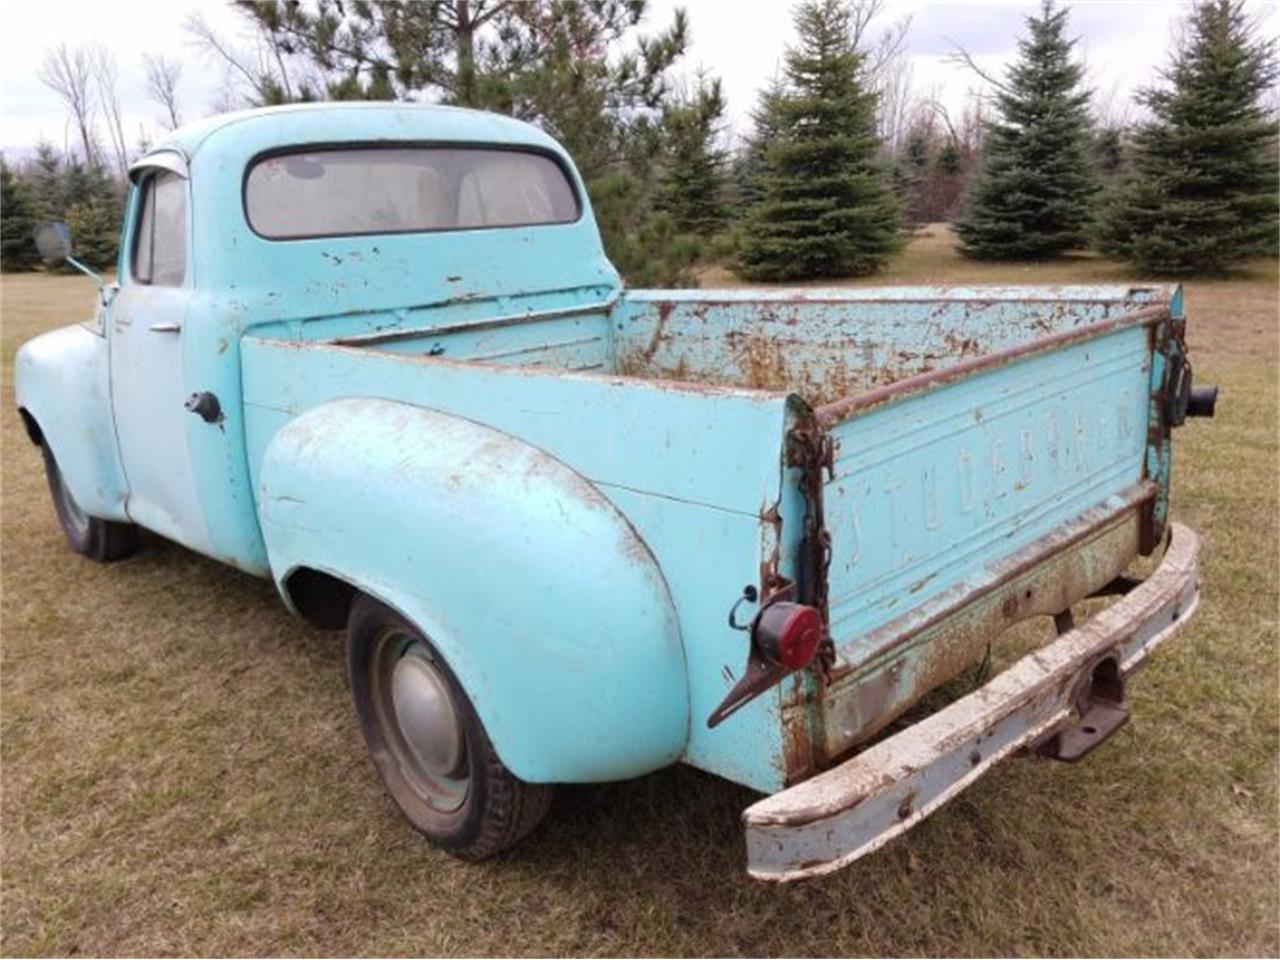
[958, 484]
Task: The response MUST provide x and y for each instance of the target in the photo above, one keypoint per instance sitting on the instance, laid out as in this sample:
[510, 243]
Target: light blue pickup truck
[576, 532]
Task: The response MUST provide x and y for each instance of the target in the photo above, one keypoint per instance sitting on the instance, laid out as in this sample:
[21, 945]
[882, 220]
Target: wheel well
[320, 598]
[33, 428]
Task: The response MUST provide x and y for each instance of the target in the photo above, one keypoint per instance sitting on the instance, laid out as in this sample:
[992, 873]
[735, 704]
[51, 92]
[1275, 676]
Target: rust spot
[950, 632]
[771, 579]
[797, 747]
[837, 410]
[920, 584]
[907, 805]
[659, 331]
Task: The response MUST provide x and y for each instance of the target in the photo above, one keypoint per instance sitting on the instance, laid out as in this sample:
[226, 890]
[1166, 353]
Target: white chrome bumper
[832, 819]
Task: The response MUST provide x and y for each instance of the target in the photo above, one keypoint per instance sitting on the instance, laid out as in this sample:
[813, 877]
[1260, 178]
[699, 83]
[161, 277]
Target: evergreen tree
[1108, 151]
[84, 196]
[1203, 195]
[1032, 194]
[17, 222]
[643, 243]
[692, 183]
[751, 167]
[584, 71]
[917, 153]
[48, 191]
[93, 213]
[949, 160]
[826, 210]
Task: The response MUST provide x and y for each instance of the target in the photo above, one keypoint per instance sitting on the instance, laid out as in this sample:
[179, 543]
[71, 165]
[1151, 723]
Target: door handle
[165, 327]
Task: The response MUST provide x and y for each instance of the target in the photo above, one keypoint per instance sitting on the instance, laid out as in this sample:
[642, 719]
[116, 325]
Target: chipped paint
[831, 820]
[924, 465]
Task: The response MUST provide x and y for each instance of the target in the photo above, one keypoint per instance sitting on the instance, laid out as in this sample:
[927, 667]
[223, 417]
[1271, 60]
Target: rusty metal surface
[831, 346]
[834, 818]
[934, 642]
[832, 413]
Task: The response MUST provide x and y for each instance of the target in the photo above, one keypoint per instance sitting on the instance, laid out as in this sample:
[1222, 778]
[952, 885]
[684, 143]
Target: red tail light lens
[788, 634]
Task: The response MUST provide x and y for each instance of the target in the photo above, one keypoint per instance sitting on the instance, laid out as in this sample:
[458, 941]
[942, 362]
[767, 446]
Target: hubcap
[425, 715]
[421, 721]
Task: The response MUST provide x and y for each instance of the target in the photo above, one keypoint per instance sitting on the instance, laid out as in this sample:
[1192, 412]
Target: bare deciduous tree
[886, 67]
[102, 64]
[69, 74]
[163, 75]
[883, 49]
[261, 75]
[964, 58]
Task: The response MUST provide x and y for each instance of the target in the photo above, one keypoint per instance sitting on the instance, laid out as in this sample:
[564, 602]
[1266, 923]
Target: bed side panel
[698, 474]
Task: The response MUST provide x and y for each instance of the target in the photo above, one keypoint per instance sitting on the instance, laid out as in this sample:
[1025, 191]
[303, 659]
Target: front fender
[549, 608]
[61, 379]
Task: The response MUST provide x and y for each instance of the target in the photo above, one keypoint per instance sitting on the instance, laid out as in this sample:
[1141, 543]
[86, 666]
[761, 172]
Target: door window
[160, 243]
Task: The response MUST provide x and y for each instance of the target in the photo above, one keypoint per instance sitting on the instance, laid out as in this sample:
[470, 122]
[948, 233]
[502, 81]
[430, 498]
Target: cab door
[148, 381]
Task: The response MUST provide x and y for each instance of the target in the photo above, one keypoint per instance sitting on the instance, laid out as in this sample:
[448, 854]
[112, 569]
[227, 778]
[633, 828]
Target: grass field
[182, 772]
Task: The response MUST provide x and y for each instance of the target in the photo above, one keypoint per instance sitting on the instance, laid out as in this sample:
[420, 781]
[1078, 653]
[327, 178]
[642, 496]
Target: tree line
[83, 184]
[841, 161]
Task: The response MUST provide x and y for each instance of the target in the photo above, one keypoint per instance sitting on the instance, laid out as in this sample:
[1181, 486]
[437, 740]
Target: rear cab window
[381, 189]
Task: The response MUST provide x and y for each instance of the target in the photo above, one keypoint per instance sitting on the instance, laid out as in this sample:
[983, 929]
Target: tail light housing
[785, 637]
[788, 634]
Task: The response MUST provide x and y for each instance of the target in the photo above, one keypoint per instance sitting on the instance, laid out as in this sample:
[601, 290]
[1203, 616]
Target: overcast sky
[741, 41]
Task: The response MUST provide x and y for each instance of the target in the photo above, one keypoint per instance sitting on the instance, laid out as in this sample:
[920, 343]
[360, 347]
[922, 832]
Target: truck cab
[576, 532]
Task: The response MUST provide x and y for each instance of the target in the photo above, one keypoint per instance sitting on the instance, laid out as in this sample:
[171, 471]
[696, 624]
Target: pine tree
[826, 210]
[752, 166]
[17, 221]
[692, 184]
[1031, 197]
[1203, 195]
[85, 197]
[949, 159]
[1108, 151]
[48, 193]
[586, 72]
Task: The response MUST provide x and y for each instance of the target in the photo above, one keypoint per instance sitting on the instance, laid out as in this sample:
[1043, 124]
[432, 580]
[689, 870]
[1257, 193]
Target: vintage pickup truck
[576, 532]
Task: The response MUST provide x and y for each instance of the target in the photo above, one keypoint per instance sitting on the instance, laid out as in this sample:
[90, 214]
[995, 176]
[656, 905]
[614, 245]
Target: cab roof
[354, 121]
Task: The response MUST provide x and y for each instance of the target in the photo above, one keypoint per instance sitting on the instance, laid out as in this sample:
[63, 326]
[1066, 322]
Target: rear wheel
[96, 538]
[427, 742]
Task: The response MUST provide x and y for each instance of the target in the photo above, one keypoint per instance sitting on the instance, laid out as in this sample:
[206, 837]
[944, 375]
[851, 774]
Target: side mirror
[53, 240]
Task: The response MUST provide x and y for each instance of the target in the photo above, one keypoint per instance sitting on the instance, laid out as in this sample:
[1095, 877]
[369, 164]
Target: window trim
[346, 145]
[143, 186]
[164, 158]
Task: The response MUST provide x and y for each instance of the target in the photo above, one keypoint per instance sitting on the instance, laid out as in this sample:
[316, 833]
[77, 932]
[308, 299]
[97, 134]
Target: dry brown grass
[182, 772]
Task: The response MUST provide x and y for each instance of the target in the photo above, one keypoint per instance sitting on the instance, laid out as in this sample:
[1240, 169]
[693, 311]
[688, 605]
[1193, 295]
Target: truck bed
[965, 443]
[822, 345]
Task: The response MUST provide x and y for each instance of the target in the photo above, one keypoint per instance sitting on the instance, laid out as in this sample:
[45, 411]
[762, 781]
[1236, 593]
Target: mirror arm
[92, 275]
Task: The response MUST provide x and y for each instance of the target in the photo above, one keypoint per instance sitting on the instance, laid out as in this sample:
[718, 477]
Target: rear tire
[94, 537]
[427, 742]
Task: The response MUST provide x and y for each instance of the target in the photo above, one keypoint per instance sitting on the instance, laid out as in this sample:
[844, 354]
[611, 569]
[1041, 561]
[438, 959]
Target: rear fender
[548, 607]
[61, 383]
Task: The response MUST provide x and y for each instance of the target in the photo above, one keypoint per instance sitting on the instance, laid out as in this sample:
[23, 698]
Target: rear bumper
[836, 817]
